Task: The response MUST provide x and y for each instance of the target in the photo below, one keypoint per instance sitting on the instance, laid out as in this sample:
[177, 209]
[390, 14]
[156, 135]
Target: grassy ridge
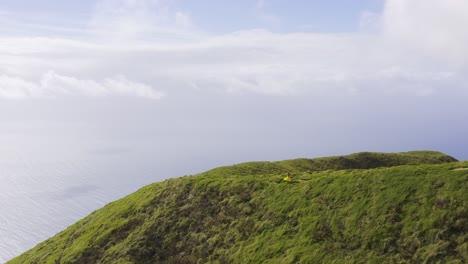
[336, 211]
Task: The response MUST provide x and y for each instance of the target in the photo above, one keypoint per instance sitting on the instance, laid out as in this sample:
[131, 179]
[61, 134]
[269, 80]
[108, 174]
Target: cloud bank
[53, 85]
[416, 48]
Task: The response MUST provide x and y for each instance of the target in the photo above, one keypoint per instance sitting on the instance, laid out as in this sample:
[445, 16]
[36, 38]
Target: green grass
[361, 208]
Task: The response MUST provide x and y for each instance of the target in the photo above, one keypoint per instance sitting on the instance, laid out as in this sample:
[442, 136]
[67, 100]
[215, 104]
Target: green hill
[363, 208]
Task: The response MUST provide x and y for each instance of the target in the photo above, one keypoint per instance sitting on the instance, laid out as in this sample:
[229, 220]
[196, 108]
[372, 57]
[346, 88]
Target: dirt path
[460, 169]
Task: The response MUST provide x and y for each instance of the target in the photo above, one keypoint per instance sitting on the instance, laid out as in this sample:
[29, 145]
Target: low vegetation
[362, 208]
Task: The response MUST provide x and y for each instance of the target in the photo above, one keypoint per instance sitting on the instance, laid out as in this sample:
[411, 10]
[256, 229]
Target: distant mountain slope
[362, 160]
[365, 207]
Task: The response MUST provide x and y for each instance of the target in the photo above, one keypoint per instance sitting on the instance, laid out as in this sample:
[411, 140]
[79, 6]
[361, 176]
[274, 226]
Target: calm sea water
[42, 196]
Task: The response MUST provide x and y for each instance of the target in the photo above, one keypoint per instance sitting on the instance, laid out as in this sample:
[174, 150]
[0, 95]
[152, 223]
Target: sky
[315, 67]
[363, 68]
[216, 16]
[100, 97]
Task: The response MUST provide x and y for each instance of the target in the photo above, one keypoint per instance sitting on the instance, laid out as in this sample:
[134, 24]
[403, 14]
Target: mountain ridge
[365, 207]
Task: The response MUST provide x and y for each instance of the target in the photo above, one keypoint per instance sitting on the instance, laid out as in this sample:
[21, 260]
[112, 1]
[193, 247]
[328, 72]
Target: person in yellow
[288, 178]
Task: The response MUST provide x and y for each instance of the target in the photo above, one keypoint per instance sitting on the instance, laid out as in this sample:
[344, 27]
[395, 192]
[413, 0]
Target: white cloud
[406, 50]
[370, 22]
[264, 16]
[260, 4]
[434, 28]
[183, 20]
[142, 19]
[53, 85]
[11, 87]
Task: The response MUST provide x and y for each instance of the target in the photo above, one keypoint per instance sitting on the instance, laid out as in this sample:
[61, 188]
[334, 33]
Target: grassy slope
[245, 214]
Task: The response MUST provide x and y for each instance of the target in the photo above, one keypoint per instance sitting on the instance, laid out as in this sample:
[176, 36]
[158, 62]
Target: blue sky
[222, 16]
[286, 16]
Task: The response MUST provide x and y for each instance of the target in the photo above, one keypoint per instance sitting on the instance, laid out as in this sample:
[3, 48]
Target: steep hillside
[366, 207]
